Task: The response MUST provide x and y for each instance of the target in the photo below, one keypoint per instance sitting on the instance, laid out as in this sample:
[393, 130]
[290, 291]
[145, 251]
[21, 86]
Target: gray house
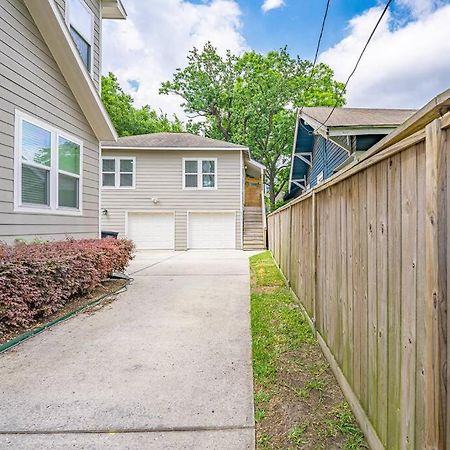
[182, 191]
[51, 117]
[321, 150]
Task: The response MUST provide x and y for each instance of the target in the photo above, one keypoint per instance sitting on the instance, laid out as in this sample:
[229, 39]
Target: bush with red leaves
[38, 279]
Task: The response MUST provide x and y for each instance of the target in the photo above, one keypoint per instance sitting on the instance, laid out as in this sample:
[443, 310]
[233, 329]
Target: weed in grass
[296, 434]
[260, 414]
[263, 441]
[262, 397]
[343, 422]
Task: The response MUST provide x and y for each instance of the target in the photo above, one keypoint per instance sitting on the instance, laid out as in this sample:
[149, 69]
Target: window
[80, 22]
[199, 173]
[118, 172]
[319, 178]
[47, 168]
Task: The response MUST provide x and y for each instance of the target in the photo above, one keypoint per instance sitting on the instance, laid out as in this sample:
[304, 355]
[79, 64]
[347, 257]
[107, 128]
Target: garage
[212, 230]
[152, 231]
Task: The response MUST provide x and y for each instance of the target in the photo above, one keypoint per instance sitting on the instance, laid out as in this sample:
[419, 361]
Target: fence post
[435, 294]
[289, 275]
[314, 259]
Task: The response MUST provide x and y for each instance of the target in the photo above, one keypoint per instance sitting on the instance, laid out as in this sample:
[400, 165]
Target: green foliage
[129, 120]
[251, 100]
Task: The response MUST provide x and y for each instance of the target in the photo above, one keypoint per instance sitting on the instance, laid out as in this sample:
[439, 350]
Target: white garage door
[152, 230]
[212, 230]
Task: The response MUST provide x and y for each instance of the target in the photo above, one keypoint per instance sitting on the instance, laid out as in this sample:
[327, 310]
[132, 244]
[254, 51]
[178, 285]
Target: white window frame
[319, 178]
[89, 39]
[56, 133]
[117, 172]
[200, 175]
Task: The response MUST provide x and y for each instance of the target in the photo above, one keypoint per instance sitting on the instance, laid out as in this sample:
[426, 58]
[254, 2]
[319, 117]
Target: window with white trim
[48, 168]
[199, 173]
[118, 172]
[81, 24]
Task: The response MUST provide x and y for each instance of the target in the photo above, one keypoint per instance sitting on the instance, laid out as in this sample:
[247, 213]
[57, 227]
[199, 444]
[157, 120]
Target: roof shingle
[171, 140]
[354, 117]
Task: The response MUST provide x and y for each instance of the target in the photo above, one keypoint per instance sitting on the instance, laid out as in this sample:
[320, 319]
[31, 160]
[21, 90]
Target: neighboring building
[51, 117]
[321, 150]
[182, 191]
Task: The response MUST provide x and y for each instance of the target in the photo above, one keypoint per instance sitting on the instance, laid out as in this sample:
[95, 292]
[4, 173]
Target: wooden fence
[366, 254]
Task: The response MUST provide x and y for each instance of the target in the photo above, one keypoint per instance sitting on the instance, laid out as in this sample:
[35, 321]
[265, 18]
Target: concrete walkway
[165, 366]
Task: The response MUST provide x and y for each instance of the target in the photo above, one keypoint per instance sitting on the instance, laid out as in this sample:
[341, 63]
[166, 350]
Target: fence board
[367, 256]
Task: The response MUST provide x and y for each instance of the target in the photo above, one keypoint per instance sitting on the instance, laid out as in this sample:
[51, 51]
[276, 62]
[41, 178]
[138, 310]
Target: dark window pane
[208, 166]
[126, 165]
[208, 181]
[126, 180]
[83, 47]
[36, 144]
[68, 191]
[68, 156]
[35, 185]
[191, 181]
[109, 180]
[190, 166]
[108, 165]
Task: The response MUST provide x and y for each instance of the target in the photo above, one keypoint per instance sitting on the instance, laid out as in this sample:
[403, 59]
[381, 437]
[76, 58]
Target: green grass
[278, 327]
[342, 421]
[296, 434]
[277, 322]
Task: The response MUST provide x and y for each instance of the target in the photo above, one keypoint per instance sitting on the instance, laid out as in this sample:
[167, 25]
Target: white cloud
[403, 66]
[156, 37]
[272, 4]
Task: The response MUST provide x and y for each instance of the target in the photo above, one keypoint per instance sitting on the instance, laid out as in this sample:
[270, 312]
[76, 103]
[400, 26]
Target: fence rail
[366, 254]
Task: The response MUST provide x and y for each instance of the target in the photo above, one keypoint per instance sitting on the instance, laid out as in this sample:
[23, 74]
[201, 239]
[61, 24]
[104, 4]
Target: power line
[358, 61]
[317, 49]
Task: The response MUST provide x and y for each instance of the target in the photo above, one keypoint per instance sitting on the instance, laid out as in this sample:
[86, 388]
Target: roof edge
[56, 35]
[134, 147]
[113, 9]
[434, 109]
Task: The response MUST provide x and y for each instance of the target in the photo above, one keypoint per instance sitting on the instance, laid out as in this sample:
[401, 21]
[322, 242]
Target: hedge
[38, 279]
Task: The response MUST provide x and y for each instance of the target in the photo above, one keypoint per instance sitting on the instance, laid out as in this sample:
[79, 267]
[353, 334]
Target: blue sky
[404, 65]
[297, 24]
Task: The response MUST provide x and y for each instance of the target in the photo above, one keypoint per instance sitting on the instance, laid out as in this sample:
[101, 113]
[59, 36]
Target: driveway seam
[131, 430]
[154, 264]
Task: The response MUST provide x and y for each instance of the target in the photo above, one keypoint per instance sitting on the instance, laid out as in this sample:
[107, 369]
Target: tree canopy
[251, 99]
[129, 120]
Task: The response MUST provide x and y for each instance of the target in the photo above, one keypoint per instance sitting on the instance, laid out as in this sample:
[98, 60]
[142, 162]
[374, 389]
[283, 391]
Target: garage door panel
[212, 230]
[152, 230]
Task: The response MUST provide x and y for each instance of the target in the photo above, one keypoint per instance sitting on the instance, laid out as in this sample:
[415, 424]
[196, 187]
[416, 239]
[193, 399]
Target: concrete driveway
[165, 366]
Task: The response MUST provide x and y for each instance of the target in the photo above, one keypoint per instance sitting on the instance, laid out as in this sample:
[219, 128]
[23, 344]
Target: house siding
[31, 82]
[160, 174]
[326, 156]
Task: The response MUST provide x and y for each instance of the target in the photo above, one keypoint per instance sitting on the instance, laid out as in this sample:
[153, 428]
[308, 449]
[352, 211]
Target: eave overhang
[56, 35]
[113, 9]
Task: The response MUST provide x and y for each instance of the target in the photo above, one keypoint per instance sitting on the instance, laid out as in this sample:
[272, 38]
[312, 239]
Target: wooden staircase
[254, 236]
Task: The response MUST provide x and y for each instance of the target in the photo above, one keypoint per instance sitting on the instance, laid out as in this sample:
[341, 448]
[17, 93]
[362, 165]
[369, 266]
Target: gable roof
[56, 35]
[357, 117]
[171, 141]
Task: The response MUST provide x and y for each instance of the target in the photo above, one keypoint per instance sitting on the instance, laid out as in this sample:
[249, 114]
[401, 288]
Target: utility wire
[358, 61]
[308, 84]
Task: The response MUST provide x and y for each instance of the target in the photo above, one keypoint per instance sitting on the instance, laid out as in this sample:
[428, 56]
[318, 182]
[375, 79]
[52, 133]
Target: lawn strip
[298, 403]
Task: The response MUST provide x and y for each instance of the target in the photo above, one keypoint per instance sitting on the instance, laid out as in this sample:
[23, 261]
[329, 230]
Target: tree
[251, 100]
[129, 120]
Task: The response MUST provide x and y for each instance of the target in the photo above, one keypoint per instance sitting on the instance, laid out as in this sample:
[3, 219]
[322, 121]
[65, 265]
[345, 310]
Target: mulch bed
[108, 286]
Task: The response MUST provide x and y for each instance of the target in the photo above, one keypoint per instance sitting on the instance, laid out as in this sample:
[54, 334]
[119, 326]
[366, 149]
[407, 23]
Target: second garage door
[152, 230]
[212, 230]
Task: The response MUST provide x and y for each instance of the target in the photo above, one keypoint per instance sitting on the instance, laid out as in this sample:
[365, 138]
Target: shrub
[38, 279]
